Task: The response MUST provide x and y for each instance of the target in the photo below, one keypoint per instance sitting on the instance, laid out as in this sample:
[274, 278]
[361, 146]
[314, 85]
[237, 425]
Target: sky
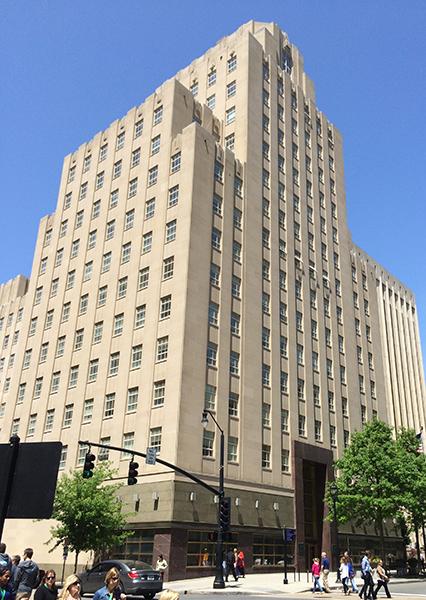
[68, 68]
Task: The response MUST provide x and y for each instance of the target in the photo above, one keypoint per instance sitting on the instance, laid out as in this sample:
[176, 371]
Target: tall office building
[199, 257]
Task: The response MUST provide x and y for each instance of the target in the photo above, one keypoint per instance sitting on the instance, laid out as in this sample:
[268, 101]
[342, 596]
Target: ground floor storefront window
[201, 549]
[139, 546]
[268, 550]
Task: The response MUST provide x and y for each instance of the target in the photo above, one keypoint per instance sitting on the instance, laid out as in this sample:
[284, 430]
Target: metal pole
[219, 582]
[336, 532]
[14, 450]
[285, 580]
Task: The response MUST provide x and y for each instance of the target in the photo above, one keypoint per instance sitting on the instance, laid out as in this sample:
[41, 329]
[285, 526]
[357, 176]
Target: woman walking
[344, 575]
[71, 589]
[111, 589]
[47, 589]
[316, 572]
[382, 580]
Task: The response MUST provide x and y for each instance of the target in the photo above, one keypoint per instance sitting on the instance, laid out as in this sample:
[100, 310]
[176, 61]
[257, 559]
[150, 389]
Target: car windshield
[137, 565]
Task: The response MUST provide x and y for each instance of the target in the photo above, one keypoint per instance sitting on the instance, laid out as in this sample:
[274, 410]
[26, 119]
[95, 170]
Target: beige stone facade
[199, 256]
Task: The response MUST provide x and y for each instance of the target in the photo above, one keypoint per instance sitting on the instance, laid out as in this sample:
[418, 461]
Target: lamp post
[219, 582]
[334, 495]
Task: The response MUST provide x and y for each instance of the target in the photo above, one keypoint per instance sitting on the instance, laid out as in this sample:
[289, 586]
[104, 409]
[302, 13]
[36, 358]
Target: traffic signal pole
[13, 458]
[219, 582]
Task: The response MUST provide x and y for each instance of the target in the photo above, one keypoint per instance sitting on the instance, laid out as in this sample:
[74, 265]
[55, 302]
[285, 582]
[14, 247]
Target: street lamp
[219, 582]
[334, 495]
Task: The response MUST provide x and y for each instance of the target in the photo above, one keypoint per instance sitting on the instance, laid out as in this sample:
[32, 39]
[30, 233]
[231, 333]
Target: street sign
[151, 456]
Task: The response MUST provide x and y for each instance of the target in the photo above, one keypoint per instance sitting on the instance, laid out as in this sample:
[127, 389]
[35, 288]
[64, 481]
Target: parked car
[136, 578]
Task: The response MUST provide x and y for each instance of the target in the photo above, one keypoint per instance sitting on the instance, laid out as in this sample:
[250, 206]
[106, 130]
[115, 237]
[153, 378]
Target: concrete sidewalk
[257, 583]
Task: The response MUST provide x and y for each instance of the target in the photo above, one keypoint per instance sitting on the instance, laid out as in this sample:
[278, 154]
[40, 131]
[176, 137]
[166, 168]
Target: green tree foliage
[372, 478]
[88, 512]
[414, 465]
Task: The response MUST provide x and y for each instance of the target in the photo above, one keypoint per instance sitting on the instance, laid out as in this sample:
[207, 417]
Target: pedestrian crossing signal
[89, 465]
[133, 473]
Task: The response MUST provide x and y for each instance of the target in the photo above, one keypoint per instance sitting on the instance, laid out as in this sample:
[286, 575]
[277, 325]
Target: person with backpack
[27, 576]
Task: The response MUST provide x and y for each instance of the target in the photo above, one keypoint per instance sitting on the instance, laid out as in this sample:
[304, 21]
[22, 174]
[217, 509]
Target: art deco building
[199, 256]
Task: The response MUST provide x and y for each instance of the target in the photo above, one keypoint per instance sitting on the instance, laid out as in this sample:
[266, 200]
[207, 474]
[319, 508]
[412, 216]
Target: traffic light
[133, 473]
[225, 513]
[89, 465]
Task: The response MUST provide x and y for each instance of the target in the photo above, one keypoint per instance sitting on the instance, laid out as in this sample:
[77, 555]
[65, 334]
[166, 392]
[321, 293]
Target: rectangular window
[136, 357]
[78, 339]
[91, 242]
[140, 314]
[67, 200]
[133, 187]
[155, 144]
[236, 286]
[216, 239]
[162, 348]
[129, 220]
[103, 151]
[110, 230]
[113, 199]
[114, 363]
[118, 324]
[175, 162]
[284, 420]
[132, 399]
[138, 128]
[232, 63]
[158, 115]
[97, 332]
[302, 425]
[153, 175]
[96, 209]
[93, 370]
[210, 397]
[88, 270]
[155, 439]
[50, 417]
[215, 275]
[211, 354]
[100, 177]
[116, 170]
[173, 196]
[230, 115]
[217, 205]
[122, 288]
[232, 449]
[31, 425]
[68, 413]
[73, 378]
[230, 141]
[120, 140]
[170, 231]
[102, 295]
[147, 242]
[83, 191]
[266, 456]
[165, 306]
[128, 444]
[234, 363]
[235, 323]
[208, 444]
[109, 406]
[318, 431]
[218, 172]
[54, 384]
[143, 278]
[266, 415]
[159, 393]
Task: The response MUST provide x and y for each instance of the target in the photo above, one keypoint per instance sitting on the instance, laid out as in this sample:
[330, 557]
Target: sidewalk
[255, 583]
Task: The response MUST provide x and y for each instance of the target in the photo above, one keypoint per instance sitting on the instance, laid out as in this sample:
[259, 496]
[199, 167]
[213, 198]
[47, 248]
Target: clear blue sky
[69, 68]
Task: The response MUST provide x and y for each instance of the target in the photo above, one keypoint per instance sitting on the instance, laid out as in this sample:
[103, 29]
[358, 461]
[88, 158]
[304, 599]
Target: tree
[371, 481]
[89, 512]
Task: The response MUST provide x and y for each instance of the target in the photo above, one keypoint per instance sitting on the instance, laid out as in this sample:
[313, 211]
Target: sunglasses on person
[50, 577]
[114, 578]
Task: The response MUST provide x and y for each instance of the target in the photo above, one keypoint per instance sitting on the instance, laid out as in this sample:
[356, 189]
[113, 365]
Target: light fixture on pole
[219, 582]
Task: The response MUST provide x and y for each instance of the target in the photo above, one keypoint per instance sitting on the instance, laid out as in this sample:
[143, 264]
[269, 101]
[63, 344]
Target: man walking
[367, 588]
[27, 575]
[325, 570]
[230, 565]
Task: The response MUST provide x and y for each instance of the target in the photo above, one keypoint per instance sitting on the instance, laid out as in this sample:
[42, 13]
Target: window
[50, 417]
[175, 162]
[138, 128]
[363, 414]
[235, 323]
[208, 444]
[88, 270]
[318, 431]
[218, 172]
[345, 438]
[266, 415]
[103, 151]
[110, 230]
[93, 370]
[155, 144]
[118, 324]
[153, 175]
[147, 242]
[300, 389]
[100, 177]
[109, 406]
[285, 461]
[132, 399]
[68, 413]
[331, 406]
[232, 63]
[143, 278]
[215, 275]
[345, 411]
[266, 334]
[59, 256]
[329, 368]
[54, 384]
[230, 141]
[73, 376]
[234, 363]
[158, 115]
[133, 187]
[21, 393]
[114, 363]
[126, 250]
[162, 348]
[361, 384]
[210, 397]
[155, 439]
[299, 321]
[116, 170]
[97, 332]
[128, 443]
[91, 242]
[238, 218]
[165, 306]
[43, 352]
[159, 392]
[211, 101]
[129, 219]
[217, 205]
[265, 238]
[15, 426]
[171, 231]
[67, 201]
[283, 312]
[333, 443]
[230, 115]
[232, 449]
[102, 295]
[33, 326]
[78, 339]
[216, 239]
[302, 425]
[43, 266]
[342, 374]
[122, 288]
[233, 404]
[266, 456]
[60, 346]
[31, 425]
[231, 89]
[120, 140]
[211, 354]
[136, 357]
[173, 196]
[49, 319]
[113, 199]
[236, 286]
[236, 251]
[315, 361]
[96, 209]
[211, 77]
[140, 314]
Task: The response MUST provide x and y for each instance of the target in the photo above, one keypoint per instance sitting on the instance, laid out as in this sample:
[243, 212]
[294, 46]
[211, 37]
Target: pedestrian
[16, 559]
[316, 571]
[47, 589]
[71, 589]
[325, 570]
[205, 558]
[351, 572]
[161, 565]
[6, 590]
[344, 575]
[367, 588]
[382, 580]
[241, 564]
[112, 589]
[5, 560]
[26, 575]
[230, 565]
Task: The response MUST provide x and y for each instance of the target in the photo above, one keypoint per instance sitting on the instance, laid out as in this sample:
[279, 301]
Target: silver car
[136, 578]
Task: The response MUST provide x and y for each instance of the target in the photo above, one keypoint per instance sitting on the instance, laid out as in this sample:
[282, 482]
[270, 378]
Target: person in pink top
[316, 571]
